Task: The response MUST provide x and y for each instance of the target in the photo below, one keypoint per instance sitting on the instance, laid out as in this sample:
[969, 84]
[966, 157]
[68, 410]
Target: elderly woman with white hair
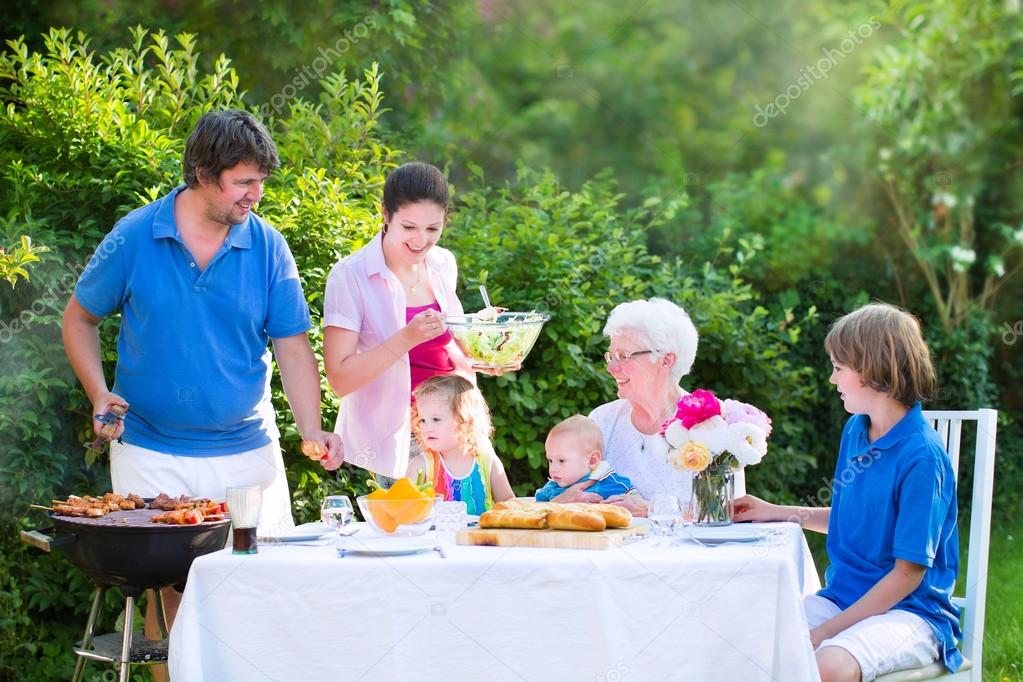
[653, 345]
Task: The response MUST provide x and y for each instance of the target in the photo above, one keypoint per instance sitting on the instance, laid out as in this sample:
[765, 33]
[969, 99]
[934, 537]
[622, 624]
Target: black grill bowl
[138, 556]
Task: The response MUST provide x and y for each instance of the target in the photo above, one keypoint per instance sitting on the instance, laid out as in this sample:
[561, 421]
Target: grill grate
[129, 518]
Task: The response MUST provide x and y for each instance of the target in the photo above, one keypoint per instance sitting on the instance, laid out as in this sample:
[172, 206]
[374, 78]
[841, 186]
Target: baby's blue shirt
[607, 483]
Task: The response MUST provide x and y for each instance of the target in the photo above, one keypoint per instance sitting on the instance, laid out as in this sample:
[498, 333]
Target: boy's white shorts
[895, 640]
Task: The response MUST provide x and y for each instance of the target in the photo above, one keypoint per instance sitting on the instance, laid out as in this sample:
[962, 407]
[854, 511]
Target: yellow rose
[692, 457]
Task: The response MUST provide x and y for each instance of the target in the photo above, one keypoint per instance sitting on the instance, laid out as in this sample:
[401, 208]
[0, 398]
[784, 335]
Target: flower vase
[713, 492]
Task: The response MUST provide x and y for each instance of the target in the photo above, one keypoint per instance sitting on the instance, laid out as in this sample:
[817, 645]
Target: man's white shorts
[894, 640]
[148, 473]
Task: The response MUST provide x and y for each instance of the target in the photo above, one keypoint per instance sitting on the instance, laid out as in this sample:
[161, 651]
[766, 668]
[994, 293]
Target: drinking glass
[244, 504]
[449, 518]
[665, 516]
[336, 511]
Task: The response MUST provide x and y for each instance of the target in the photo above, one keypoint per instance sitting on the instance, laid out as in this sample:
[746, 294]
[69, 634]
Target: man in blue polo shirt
[202, 285]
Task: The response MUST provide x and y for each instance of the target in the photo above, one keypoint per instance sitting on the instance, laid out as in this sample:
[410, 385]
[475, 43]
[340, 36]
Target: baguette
[614, 516]
[513, 518]
[572, 516]
[526, 505]
[574, 519]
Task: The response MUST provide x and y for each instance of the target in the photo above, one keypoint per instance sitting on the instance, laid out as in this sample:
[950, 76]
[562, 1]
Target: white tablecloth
[640, 613]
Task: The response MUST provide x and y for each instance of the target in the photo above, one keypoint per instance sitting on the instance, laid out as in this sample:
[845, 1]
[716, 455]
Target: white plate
[716, 535]
[304, 533]
[387, 546]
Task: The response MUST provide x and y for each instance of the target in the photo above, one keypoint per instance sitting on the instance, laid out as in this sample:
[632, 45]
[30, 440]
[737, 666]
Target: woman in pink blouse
[383, 317]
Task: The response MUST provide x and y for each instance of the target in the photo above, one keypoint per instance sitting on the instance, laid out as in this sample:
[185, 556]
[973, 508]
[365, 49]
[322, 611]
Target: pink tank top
[429, 358]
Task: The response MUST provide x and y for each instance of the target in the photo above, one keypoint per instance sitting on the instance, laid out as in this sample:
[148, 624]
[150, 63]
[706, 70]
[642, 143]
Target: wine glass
[337, 512]
[665, 516]
[690, 509]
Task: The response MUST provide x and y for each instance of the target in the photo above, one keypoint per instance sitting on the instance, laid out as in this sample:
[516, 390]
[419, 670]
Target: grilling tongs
[110, 420]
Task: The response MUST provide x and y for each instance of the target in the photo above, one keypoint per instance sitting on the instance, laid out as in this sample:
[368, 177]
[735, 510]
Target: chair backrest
[949, 424]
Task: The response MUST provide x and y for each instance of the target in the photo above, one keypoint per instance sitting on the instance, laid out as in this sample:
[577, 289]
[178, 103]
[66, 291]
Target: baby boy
[575, 450]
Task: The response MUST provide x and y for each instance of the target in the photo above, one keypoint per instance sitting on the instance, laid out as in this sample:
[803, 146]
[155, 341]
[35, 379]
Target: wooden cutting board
[562, 539]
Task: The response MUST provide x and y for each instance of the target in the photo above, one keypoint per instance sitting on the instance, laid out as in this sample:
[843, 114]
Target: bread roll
[614, 516]
[585, 516]
[513, 518]
[508, 504]
[526, 505]
[574, 519]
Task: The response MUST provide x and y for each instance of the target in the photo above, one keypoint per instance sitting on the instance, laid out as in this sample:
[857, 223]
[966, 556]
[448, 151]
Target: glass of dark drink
[244, 504]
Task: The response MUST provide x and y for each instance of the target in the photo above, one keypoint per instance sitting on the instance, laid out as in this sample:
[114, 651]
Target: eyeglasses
[625, 357]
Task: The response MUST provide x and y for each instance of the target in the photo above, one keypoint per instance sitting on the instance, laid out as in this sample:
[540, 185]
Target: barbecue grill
[127, 550]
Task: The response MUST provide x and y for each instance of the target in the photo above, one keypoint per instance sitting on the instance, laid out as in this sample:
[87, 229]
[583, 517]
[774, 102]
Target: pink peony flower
[736, 412]
[696, 407]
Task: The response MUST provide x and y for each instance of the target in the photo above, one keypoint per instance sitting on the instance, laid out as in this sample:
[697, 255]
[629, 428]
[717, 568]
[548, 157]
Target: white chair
[949, 427]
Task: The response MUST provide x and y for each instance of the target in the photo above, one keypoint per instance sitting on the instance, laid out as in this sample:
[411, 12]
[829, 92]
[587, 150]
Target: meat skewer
[180, 517]
[179, 510]
[94, 507]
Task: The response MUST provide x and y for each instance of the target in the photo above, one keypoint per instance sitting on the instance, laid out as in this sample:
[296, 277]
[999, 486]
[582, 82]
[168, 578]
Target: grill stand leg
[129, 617]
[90, 625]
[161, 613]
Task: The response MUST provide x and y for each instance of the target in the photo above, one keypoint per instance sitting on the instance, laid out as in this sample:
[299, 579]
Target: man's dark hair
[222, 140]
[413, 182]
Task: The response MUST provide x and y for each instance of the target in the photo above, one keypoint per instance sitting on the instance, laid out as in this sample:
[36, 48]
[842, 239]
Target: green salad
[500, 341]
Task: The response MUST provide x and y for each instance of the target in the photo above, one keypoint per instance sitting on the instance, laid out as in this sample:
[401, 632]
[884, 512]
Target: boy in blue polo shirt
[893, 542]
[575, 451]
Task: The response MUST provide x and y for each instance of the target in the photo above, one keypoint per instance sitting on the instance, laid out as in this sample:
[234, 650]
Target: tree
[945, 107]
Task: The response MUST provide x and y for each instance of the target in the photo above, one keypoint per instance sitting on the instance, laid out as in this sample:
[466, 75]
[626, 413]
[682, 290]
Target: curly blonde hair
[472, 415]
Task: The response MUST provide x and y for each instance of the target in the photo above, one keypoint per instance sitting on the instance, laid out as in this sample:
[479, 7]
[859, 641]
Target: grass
[1003, 631]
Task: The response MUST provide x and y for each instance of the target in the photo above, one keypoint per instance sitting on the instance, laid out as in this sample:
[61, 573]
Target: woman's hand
[429, 324]
[634, 502]
[496, 372]
[577, 493]
[750, 508]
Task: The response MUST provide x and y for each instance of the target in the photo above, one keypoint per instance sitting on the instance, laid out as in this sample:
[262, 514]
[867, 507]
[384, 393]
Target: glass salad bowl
[496, 341]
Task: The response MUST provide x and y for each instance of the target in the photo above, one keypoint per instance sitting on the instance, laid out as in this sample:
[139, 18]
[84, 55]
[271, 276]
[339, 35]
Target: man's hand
[325, 447]
[104, 404]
